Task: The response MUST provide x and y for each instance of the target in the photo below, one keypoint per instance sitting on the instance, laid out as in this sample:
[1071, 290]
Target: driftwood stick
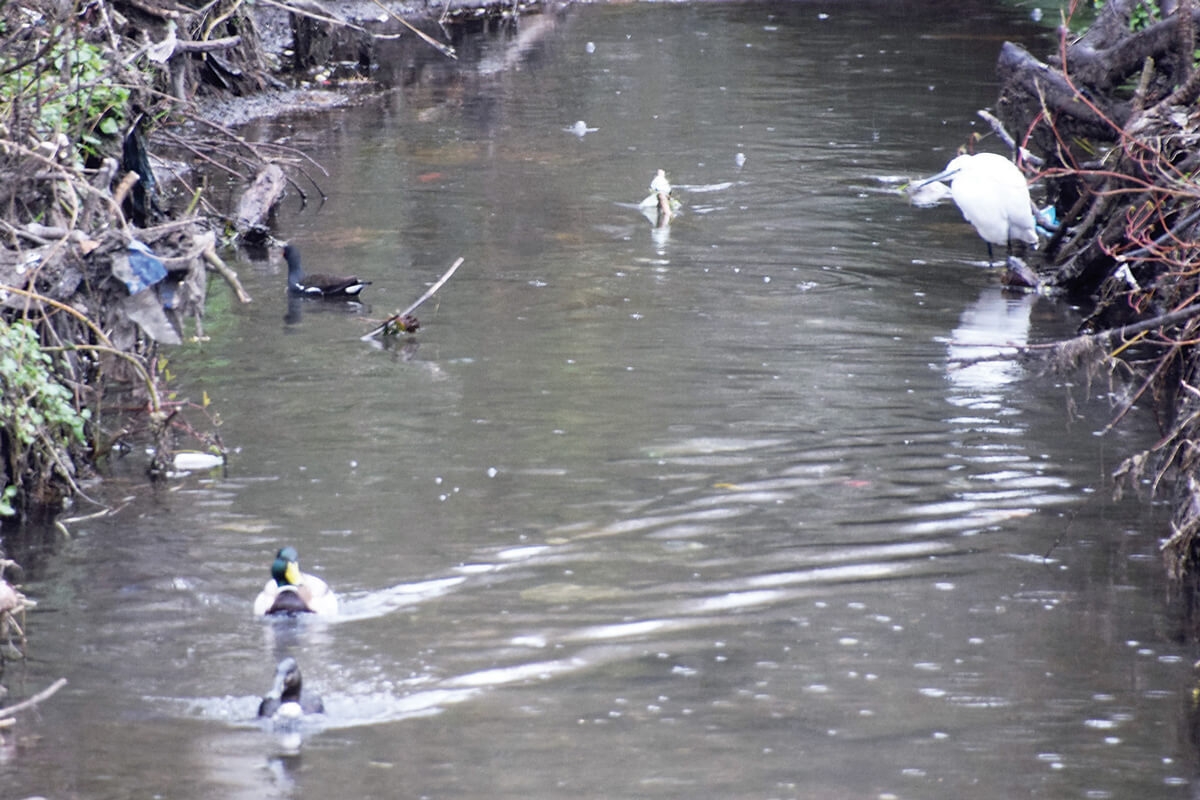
[221, 268]
[255, 204]
[185, 46]
[123, 188]
[428, 294]
[44, 694]
[444, 49]
[156, 232]
[1101, 337]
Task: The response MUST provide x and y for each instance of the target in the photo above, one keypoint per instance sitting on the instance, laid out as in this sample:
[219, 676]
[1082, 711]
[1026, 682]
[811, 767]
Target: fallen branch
[444, 49]
[1100, 337]
[220, 267]
[316, 12]
[256, 203]
[44, 694]
[394, 318]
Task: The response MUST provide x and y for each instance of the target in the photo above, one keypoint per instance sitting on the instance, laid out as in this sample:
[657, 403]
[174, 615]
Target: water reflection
[298, 306]
[994, 325]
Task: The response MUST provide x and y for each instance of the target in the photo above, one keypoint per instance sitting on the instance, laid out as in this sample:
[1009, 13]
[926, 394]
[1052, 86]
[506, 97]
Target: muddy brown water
[694, 512]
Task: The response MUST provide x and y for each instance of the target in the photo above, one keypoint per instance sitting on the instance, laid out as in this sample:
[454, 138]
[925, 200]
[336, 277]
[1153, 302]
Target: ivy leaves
[37, 413]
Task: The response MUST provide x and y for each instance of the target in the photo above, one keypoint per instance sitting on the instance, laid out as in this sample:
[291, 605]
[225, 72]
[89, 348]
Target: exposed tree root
[1112, 117]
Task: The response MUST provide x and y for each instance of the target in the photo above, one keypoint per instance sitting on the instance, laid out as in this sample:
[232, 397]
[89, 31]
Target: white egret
[992, 195]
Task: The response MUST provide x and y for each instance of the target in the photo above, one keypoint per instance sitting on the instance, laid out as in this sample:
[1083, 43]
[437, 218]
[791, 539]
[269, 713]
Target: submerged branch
[1083, 341]
[399, 315]
[30, 702]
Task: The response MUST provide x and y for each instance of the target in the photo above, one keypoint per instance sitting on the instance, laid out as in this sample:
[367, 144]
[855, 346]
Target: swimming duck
[333, 286]
[291, 591]
[287, 700]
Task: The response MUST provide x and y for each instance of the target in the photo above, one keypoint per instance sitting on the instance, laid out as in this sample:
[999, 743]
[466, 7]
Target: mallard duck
[333, 286]
[287, 699]
[291, 591]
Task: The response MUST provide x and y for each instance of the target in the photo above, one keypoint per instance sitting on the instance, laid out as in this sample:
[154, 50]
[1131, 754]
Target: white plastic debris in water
[580, 129]
[660, 183]
[193, 461]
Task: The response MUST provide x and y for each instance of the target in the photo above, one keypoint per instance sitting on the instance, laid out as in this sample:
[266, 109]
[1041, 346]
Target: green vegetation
[68, 89]
[1143, 14]
[38, 418]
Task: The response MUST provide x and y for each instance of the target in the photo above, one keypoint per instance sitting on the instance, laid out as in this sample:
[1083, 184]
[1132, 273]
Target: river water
[694, 511]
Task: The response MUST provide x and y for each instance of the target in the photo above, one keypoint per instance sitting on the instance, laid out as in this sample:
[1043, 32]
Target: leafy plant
[1143, 15]
[37, 413]
[69, 83]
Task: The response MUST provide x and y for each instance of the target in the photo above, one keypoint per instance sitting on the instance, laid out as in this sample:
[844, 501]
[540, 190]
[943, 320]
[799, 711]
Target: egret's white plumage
[992, 195]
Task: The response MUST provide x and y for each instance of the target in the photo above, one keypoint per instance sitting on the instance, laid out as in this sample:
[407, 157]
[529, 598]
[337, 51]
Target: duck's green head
[286, 568]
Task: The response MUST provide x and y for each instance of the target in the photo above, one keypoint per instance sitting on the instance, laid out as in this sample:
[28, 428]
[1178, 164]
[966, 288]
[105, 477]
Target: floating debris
[404, 321]
[196, 461]
[580, 129]
[12, 607]
[660, 206]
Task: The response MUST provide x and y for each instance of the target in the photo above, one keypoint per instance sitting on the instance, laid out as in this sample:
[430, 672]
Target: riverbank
[1110, 125]
[119, 122]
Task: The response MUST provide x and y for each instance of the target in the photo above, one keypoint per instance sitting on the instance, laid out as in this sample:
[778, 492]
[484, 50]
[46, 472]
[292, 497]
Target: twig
[1132, 329]
[320, 17]
[428, 294]
[444, 49]
[44, 694]
[107, 347]
[998, 128]
[214, 261]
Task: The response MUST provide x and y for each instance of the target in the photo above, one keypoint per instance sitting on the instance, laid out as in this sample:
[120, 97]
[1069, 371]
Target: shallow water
[696, 511]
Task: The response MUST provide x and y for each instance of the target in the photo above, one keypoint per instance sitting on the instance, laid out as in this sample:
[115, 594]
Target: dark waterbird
[287, 698]
[317, 285]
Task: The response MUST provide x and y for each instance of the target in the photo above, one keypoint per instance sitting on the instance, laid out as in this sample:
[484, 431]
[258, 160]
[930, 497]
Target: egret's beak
[941, 176]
